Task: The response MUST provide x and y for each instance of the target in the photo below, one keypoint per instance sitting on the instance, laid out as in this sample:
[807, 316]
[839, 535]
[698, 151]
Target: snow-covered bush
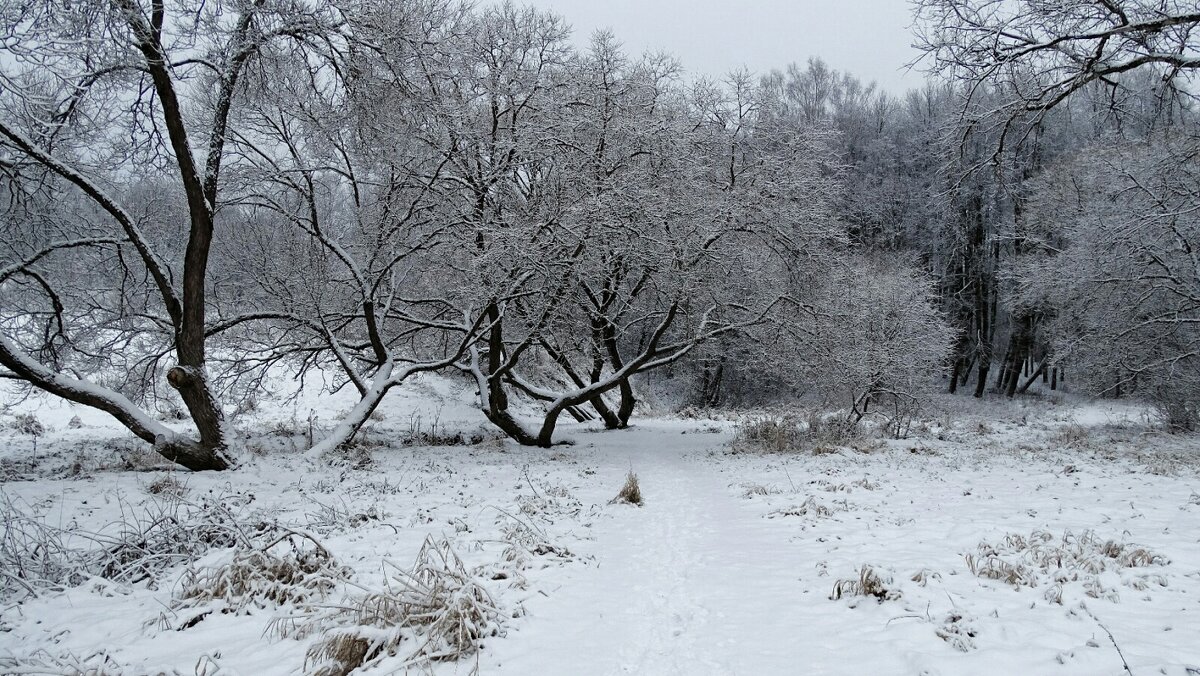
[877, 342]
[27, 423]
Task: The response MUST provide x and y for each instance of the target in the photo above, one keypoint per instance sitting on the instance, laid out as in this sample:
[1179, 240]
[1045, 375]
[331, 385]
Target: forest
[344, 259]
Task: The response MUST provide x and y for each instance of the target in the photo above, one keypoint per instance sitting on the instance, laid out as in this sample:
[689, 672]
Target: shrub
[27, 423]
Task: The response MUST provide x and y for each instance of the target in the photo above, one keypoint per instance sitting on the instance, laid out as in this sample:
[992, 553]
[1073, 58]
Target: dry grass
[1072, 436]
[791, 432]
[436, 607]
[923, 576]
[138, 546]
[869, 583]
[168, 485]
[527, 540]
[1023, 561]
[42, 662]
[751, 490]
[809, 508]
[773, 433]
[863, 483]
[282, 567]
[100, 663]
[340, 516]
[631, 492]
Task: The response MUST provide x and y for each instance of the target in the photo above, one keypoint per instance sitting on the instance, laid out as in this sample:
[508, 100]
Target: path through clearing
[680, 586]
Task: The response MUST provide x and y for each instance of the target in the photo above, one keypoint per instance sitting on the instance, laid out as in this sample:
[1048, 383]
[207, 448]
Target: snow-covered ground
[1079, 523]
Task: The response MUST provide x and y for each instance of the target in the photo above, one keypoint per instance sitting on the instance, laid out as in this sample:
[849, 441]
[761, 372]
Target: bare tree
[165, 76]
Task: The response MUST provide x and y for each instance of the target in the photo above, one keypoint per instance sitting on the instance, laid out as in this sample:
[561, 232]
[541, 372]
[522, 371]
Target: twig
[903, 617]
[1110, 637]
[525, 472]
[789, 476]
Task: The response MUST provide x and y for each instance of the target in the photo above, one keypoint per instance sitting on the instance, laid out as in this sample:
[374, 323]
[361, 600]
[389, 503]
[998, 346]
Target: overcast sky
[869, 38]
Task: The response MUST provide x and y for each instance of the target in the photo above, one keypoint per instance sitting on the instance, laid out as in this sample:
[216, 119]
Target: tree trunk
[628, 401]
[353, 421]
[981, 383]
[711, 391]
[1022, 337]
[1041, 371]
[1006, 367]
[611, 421]
[186, 452]
[624, 387]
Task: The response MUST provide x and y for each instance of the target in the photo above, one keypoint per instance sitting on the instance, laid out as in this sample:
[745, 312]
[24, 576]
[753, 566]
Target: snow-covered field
[1039, 538]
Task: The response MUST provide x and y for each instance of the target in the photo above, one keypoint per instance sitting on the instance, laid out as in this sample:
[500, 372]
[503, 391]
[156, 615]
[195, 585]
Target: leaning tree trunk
[597, 403]
[172, 446]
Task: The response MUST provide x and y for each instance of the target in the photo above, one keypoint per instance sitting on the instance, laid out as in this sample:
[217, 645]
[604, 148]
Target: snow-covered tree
[1120, 236]
[123, 109]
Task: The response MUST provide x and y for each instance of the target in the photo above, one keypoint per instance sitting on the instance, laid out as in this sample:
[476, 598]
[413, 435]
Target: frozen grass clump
[773, 433]
[526, 540]
[631, 492]
[99, 663]
[870, 583]
[750, 490]
[1071, 435]
[809, 508]
[279, 567]
[433, 611]
[1023, 561]
[959, 631]
[36, 556]
[167, 485]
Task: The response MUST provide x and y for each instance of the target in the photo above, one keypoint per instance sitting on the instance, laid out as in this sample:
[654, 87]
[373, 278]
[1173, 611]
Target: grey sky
[869, 38]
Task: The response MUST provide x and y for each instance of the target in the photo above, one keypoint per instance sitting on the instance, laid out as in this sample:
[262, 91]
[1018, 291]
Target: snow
[728, 567]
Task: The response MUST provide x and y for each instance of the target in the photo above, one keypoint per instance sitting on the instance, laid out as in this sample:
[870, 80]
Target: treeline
[197, 193]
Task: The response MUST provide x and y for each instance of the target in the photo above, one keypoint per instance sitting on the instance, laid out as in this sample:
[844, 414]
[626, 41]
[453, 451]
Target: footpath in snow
[680, 585]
